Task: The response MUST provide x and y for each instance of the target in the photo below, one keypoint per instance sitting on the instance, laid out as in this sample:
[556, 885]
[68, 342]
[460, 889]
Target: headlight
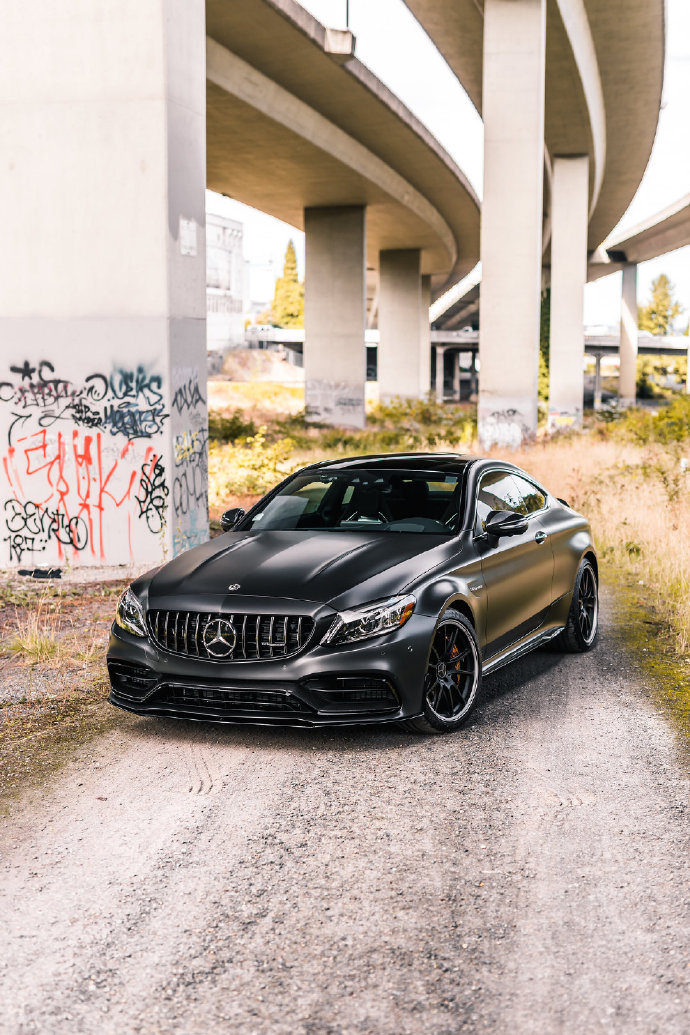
[129, 614]
[372, 620]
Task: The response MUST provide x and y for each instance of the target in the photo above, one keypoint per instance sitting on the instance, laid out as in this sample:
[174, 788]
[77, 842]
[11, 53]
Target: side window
[531, 499]
[498, 490]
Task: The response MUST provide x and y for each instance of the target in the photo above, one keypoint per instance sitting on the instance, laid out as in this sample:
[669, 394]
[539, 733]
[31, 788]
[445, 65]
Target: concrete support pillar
[597, 382]
[403, 326]
[425, 337]
[627, 378]
[511, 220]
[335, 315]
[456, 377]
[103, 423]
[474, 377]
[569, 212]
[440, 365]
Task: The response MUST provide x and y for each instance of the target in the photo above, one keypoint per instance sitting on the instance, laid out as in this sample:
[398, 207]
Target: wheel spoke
[452, 671]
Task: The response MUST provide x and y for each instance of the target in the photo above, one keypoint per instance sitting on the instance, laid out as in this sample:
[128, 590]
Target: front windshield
[359, 500]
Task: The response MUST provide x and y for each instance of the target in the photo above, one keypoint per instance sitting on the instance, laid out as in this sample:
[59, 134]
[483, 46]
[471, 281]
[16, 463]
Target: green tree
[544, 333]
[662, 309]
[288, 300]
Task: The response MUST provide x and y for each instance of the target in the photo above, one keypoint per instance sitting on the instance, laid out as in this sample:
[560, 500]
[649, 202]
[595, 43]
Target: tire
[450, 688]
[582, 628]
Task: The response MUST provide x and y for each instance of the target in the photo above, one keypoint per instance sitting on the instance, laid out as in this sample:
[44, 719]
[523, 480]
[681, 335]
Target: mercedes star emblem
[219, 637]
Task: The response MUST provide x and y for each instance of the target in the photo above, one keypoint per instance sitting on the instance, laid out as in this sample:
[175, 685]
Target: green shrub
[229, 427]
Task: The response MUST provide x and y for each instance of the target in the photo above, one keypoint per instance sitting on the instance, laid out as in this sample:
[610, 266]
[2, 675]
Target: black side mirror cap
[501, 523]
[231, 518]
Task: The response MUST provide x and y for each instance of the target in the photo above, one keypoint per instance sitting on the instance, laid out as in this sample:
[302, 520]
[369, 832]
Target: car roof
[445, 463]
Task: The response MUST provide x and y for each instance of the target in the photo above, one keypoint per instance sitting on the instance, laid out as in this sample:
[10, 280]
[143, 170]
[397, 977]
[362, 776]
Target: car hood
[340, 568]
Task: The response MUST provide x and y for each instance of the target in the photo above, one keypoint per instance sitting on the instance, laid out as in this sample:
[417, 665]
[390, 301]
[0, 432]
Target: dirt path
[527, 876]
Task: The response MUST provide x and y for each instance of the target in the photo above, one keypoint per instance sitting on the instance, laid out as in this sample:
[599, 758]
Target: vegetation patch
[54, 688]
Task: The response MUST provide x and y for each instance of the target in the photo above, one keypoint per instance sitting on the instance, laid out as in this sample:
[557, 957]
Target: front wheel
[581, 629]
[452, 679]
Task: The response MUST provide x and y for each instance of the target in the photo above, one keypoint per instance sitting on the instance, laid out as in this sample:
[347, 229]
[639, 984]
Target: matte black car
[370, 589]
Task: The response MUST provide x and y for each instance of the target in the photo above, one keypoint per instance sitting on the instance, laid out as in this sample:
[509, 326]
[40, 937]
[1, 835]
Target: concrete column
[456, 377]
[627, 378]
[440, 365]
[335, 315]
[511, 220]
[597, 382]
[474, 376]
[425, 336]
[403, 326]
[569, 219]
[103, 423]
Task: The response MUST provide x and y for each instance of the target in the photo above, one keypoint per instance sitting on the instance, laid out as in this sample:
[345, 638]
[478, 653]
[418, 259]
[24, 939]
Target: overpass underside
[132, 109]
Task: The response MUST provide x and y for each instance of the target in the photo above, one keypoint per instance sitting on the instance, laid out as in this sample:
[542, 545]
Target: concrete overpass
[569, 91]
[131, 110]
[280, 84]
[664, 232]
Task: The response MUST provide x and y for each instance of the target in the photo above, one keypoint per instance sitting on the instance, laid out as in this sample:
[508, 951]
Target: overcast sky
[395, 48]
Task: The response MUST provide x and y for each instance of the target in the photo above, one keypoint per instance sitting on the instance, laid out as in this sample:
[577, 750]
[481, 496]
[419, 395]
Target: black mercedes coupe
[362, 590]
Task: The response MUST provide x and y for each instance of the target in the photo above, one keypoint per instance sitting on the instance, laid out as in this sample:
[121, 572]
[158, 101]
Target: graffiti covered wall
[104, 464]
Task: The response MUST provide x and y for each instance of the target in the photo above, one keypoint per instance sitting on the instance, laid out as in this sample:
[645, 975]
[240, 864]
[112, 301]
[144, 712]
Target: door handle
[540, 537]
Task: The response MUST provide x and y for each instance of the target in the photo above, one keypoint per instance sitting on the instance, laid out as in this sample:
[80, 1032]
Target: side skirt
[542, 637]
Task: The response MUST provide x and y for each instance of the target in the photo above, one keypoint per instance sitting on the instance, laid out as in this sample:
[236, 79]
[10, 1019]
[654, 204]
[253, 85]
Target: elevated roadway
[569, 91]
[293, 122]
[299, 128]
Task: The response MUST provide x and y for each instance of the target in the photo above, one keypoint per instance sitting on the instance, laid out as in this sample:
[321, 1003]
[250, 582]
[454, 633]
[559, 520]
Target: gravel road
[529, 875]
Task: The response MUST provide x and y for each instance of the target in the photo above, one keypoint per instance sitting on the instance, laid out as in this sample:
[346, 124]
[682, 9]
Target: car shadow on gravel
[509, 688]
[272, 738]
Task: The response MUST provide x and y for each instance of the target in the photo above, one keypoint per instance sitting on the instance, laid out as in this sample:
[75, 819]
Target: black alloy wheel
[452, 678]
[582, 627]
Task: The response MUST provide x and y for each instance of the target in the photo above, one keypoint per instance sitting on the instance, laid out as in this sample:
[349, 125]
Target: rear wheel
[581, 630]
[452, 679]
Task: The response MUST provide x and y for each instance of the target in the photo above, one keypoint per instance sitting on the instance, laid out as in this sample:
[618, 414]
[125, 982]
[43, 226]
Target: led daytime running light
[372, 620]
[129, 615]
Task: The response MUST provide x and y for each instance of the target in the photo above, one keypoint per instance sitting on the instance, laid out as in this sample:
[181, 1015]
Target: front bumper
[379, 680]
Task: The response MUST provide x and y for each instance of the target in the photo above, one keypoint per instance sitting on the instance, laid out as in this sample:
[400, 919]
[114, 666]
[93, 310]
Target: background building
[224, 283]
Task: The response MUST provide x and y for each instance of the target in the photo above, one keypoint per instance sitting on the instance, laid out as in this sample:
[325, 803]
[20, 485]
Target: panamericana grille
[256, 637]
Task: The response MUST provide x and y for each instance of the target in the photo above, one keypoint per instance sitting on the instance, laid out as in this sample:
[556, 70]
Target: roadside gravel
[529, 875]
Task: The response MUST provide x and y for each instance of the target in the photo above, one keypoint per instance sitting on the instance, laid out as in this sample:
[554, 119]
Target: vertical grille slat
[258, 637]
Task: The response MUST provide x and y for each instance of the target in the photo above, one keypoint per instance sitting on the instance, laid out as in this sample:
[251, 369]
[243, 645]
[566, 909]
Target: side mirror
[231, 518]
[504, 522]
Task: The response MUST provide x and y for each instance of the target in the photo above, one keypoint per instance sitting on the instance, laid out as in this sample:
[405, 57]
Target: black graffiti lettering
[128, 402]
[128, 420]
[190, 491]
[152, 494]
[188, 395]
[96, 387]
[32, 527]
[84, 415]
[26, 371]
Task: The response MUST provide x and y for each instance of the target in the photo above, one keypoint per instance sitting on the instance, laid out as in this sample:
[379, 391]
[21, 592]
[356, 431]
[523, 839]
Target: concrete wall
[103, 421]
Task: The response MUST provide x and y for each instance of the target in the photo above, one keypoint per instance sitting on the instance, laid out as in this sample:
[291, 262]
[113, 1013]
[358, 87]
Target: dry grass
[638, 501]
